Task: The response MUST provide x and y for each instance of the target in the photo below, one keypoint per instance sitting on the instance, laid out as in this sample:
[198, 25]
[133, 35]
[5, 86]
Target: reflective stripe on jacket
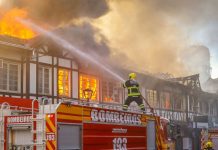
[133, 87]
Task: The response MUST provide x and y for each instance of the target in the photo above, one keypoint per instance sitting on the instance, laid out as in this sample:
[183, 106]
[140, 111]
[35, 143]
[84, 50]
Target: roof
[14, 42]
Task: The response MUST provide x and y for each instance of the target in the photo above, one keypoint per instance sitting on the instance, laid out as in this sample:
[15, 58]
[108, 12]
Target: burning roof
[10, 26]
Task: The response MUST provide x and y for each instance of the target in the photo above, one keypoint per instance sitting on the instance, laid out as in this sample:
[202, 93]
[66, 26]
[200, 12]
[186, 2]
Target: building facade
[42, 69]
[38, 72]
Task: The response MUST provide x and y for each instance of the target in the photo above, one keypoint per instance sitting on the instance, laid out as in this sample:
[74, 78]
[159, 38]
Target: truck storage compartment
[151, 135]
[69, 137]
[19, 138]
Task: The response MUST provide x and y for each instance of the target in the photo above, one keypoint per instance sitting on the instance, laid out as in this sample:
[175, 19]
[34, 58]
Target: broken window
[165, 101]
[177, 101]
[152, 98]
[64, 82]
[111, 92]
[89, 87]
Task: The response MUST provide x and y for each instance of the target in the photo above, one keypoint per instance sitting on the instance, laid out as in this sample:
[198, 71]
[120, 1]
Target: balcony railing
[178, 115]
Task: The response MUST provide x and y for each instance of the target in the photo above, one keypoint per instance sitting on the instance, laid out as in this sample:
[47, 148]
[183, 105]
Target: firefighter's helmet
[132, 75]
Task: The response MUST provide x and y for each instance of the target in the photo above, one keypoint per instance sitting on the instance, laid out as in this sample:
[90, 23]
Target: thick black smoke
[86, 38]
[55, 12]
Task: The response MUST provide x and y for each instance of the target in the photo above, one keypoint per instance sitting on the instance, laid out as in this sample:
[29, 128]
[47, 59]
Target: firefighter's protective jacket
[133, 87]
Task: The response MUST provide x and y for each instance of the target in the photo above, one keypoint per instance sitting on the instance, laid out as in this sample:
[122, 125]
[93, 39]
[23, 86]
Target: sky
[143, 35]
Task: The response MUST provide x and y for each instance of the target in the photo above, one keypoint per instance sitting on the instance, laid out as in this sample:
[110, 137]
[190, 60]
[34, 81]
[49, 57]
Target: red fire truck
[76, 125]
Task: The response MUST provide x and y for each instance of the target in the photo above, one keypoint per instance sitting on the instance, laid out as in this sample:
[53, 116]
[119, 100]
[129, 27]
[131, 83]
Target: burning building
[33, 66]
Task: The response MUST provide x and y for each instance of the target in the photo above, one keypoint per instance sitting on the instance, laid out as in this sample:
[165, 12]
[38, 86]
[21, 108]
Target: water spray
[67, 45]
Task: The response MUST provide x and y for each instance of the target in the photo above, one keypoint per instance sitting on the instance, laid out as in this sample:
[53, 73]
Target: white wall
[45, 59]
[15, 55]
[64, 63]
[75, 65]
[32, 78]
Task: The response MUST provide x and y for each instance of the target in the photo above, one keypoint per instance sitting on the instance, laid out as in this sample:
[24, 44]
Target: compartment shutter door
[151, 142]
[69, 137]
[22, 137]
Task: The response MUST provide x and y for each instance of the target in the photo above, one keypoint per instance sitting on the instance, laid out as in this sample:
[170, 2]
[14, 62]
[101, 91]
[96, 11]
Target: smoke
[198, 59]
[142, 35]
[85, 37]
[56, 12]
[70, 19]
[154, 34]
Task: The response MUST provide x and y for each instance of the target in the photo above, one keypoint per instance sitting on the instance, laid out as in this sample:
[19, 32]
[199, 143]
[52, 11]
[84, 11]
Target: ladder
[38, 126]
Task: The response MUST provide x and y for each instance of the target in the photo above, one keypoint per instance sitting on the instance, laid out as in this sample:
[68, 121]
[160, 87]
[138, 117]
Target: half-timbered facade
[39, 68]
[49, 71]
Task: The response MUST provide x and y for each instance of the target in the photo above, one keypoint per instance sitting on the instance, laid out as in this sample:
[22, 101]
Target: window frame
[118, 91]
[8, 63]
[69, 80]
[43, 80]
[152, 98]
[98, 87]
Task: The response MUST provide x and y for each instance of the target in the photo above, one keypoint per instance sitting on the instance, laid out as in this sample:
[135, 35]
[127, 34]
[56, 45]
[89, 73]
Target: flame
[89, 82]
[9, 25]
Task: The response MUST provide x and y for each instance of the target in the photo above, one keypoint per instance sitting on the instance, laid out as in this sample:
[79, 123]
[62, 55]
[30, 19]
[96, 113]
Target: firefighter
[209, 144]
[133, 92]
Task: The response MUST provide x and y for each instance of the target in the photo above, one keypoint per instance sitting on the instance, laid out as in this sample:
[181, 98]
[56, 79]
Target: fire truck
[77, 125]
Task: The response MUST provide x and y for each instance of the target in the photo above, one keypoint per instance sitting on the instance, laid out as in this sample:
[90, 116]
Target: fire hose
[149, 106]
